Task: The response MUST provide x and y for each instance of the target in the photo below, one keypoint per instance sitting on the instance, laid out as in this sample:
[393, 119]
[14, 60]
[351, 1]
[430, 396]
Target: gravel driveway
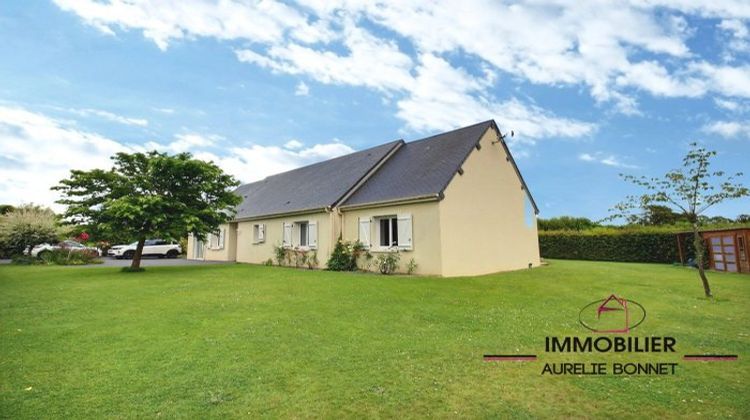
[145, 262]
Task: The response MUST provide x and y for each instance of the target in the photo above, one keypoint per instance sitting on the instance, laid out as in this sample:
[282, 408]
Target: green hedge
[603, 245]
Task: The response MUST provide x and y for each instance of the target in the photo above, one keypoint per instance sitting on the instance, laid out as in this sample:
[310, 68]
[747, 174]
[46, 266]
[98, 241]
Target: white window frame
[364, 229]
[216, 240]
[298, 233]
[286, 240]
[259, 233]
[311, 234]
[378, 238]
[404, 232]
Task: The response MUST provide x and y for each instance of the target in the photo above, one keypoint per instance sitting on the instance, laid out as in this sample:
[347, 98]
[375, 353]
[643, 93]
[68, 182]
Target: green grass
[253, 341]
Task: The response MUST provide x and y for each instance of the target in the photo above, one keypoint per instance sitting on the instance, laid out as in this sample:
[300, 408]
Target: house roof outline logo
[617, 313]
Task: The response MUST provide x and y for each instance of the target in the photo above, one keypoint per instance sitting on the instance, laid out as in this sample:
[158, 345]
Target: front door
[198, 250]
[724, 253]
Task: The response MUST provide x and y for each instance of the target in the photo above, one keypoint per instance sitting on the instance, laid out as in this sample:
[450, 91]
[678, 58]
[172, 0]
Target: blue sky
[591, 90]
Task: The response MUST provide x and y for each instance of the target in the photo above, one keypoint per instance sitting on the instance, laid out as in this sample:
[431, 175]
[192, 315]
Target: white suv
[152, 247]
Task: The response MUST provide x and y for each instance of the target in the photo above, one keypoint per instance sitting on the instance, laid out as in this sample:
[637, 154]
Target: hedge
[652, 247]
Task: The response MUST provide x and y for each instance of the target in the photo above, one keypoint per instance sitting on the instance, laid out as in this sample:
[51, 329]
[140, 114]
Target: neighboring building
[727, 248]
[455, 203]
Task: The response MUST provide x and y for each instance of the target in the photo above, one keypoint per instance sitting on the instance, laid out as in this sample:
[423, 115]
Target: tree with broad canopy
[150, 195]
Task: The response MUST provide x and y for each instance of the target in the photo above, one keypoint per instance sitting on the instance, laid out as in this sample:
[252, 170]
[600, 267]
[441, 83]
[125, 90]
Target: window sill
[304, 248]
[382, 250]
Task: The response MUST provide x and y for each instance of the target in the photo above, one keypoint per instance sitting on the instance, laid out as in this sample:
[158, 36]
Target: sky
[590, 89]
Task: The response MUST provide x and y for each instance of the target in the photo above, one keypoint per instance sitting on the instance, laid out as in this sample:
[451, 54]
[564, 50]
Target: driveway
[145, 262]
[153, 262]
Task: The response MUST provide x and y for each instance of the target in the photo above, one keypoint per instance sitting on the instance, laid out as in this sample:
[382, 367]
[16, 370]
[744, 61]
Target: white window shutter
[222, 233]
[404, 232]
[287, 236]
[261, 233]
[312, 234]
[364, 232]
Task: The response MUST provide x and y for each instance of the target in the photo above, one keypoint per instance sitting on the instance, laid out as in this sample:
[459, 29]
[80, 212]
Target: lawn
[253, 341]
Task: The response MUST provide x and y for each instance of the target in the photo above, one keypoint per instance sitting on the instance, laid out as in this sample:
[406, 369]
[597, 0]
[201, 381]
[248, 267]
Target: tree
[659, 215]
[6, 208]
[690, 190]
[566, 223]
[743, 218]
[27, 226]
[150, 195]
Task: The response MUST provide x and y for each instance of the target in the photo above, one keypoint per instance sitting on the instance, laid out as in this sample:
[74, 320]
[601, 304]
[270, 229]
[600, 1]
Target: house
[455, 203]
[727, 248]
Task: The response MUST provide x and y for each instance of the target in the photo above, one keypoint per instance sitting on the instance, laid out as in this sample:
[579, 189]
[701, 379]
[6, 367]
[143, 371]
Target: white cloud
[302, 89]
[88, 112]
[728, 129]
[595, 45]
[166, 21]
[431, 106]
[39, 151]
[739, 37]
[187, 142]
[605, 159]
[256, 162]
[729, 105]
[293, 145]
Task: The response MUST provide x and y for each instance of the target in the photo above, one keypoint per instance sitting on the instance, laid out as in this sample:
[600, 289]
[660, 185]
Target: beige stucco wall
[227, 253]
[257, 253]
[479, 227]
[482, 217]
[425, 233]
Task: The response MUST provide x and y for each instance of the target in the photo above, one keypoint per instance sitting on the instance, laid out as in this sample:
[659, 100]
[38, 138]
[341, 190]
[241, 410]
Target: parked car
[152, 247]
[39, 250]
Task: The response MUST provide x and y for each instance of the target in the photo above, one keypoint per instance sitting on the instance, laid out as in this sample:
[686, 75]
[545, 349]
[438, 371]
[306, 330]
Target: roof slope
[310, 187]
[420, 168]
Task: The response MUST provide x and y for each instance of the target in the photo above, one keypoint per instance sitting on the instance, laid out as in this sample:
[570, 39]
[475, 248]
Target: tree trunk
[136, 264]
[698, 248]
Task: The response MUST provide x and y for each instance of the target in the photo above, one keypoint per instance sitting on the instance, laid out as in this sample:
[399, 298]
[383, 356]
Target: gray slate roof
[417, 169]
[420, 168]
[311, 187]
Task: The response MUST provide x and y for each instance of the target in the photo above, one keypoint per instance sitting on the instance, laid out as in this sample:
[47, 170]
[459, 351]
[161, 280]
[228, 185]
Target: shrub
[280, 254]
[184, 245]
[312, 260]
[27, 226]
[59, 257]
[69, 257]
[297, 256]
[411, 267]
[268, 262]
[346, 255]
[22, 259]
[566, 223]
[642, 245]
[388, 262]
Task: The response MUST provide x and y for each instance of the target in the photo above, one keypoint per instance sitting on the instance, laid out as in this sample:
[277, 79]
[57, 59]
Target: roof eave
[284, 214]
[398, 201]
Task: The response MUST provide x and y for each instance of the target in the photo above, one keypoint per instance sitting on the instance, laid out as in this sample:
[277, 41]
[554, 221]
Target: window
[303, 233]
[259, 233]
[388, 231]
[216, 240]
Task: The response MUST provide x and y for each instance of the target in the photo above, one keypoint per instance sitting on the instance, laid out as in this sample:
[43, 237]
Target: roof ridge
[393, 142]
[452, 131]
